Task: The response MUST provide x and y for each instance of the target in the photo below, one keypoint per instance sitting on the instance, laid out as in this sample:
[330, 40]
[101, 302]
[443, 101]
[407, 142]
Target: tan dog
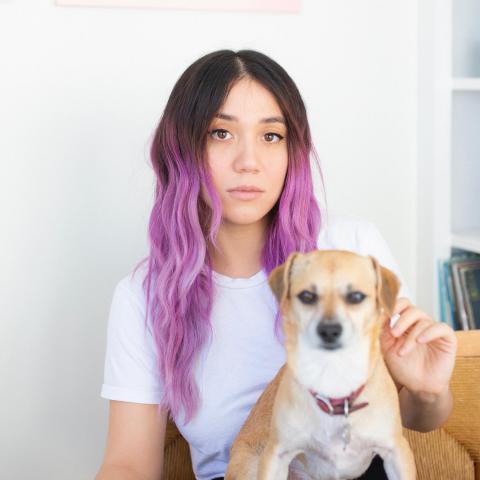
[333, 405]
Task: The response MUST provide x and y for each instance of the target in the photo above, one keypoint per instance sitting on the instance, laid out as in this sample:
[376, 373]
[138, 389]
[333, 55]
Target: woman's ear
[387, 287]
[280, 277]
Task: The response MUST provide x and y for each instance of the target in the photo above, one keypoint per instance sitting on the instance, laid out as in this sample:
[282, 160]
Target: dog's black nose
[329, 332]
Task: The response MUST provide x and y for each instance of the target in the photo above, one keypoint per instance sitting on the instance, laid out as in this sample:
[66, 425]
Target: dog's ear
[279, 279]
[387, 287]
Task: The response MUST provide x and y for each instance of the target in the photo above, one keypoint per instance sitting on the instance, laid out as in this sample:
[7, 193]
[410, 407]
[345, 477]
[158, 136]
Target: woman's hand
[419, 352]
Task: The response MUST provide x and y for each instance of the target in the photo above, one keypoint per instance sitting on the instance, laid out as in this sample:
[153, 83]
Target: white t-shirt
[235, 367]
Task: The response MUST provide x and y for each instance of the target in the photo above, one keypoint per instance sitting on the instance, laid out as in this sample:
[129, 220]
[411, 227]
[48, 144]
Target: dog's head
[332, 298]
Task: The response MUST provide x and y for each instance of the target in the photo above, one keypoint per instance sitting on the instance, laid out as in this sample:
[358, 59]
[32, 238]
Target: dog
[333, 405]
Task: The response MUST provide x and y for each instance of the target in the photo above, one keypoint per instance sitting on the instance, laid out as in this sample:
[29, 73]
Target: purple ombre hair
[178, 283]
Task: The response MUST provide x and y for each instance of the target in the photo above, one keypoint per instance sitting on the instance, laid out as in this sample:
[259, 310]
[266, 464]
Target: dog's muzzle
[330, 334]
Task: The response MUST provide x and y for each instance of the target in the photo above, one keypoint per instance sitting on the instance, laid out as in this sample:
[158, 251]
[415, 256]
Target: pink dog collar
[339, 406]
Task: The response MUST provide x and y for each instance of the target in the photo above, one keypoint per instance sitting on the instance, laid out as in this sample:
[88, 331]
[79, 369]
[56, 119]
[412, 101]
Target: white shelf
[467, 240]
[451, 117]
[471, 84]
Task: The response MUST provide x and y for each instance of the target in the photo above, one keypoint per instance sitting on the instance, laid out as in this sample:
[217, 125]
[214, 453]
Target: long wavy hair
[178, 283]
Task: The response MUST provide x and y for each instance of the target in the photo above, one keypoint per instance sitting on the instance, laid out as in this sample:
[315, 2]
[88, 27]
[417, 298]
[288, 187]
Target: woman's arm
[135, 442]
[425, 412]
[420, 355]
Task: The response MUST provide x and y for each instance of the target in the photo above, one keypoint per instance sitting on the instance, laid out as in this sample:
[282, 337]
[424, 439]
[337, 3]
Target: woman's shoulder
[131, 285]
[342, 231]
[362, 236]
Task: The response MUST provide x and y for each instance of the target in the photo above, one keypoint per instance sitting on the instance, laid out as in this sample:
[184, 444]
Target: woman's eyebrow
[232, 118]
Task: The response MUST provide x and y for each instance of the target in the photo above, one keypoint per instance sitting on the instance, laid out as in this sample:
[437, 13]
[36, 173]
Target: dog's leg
[274, 462]
[243, 465]
[399, 463]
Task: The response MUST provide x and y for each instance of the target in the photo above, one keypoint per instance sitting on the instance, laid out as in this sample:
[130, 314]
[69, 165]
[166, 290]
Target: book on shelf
[470, 279]
[459, 286]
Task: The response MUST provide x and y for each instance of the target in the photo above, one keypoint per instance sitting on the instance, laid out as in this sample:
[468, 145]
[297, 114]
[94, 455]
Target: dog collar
[339, 406]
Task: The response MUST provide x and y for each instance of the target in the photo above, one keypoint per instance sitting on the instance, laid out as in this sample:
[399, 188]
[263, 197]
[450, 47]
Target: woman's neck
[240, 249]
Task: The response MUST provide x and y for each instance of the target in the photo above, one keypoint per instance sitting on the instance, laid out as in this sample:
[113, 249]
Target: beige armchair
[449, 452]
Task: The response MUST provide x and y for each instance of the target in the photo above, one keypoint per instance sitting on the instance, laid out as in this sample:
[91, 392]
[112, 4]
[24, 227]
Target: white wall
[81, 91]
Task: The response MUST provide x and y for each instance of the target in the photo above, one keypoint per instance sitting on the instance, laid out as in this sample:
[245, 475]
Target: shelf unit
[467, 240]
[450, 36]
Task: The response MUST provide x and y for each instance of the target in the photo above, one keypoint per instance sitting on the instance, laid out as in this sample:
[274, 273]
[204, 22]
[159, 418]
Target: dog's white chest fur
[325, 457]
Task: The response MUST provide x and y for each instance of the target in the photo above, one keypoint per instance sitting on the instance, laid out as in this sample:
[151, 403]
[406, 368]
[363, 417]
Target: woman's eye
[355, 297]
[221, 132]
[280, 137]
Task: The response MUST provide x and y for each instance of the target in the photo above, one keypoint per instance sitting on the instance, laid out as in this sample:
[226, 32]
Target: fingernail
[393, 319]
[422, 338]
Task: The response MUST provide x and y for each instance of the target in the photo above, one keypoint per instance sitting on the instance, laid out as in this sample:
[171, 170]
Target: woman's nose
[247, 157]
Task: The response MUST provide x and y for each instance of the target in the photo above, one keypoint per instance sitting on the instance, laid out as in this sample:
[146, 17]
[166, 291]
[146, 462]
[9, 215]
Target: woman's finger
[409, 316]
[439, 330]
[412, 336]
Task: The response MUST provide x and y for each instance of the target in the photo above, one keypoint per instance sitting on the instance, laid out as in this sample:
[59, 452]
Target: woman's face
[245, 149]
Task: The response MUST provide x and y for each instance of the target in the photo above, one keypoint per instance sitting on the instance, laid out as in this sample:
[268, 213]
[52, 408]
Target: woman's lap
[374, 472]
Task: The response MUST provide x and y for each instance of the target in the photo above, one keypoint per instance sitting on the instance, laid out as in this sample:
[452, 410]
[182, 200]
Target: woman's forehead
[249, 100]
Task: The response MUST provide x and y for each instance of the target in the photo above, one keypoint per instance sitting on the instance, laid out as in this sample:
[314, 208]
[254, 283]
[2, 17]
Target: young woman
[195, 332]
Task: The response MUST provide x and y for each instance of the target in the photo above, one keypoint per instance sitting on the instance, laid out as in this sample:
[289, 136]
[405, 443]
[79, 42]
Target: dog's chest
[325, 457]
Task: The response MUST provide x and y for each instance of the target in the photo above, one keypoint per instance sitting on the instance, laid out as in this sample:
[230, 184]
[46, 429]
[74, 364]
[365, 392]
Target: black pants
[374, 472]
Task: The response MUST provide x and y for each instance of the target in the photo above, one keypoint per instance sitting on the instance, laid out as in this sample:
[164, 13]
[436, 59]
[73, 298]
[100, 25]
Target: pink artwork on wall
[225, 5]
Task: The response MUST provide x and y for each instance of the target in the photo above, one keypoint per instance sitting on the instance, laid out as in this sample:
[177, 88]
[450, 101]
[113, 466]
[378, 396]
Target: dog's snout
[329, 332]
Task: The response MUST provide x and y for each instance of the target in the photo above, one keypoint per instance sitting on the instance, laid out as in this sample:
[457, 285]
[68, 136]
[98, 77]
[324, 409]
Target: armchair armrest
[453, 451]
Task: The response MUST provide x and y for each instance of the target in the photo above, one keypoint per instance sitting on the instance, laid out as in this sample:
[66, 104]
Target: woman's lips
[245, 195]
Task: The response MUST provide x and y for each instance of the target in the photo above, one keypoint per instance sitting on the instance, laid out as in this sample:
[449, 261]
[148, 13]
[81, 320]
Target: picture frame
[282, 6]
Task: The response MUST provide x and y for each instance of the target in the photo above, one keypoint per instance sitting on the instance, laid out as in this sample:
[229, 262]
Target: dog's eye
[307, 297]
[355, 297]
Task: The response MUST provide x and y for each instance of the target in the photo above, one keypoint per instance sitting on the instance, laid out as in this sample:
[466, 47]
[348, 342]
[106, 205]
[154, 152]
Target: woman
[213, 336]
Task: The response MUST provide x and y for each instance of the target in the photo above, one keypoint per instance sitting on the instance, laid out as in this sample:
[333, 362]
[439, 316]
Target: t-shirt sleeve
[130, 372]
[372, 242]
